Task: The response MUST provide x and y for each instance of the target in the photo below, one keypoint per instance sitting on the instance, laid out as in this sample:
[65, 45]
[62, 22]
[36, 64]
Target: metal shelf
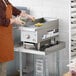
[41, 59]
[73, 28]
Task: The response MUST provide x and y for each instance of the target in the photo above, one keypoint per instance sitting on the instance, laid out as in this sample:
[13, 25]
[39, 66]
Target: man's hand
[17, 20]
[24, 14]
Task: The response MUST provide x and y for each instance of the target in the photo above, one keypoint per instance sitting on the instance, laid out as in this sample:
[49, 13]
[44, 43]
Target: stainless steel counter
[48, 53]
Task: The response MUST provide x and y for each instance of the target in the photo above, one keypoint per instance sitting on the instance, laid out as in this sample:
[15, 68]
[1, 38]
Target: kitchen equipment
[41, 63]
[39, 38]
[48, 32]
[40, 45]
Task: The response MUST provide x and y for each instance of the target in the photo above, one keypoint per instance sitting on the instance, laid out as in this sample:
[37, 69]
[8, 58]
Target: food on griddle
[42, 20]
[38, 24]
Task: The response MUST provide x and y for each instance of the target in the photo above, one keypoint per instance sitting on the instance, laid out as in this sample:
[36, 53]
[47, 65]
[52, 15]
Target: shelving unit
[73, 28]
[41, 61]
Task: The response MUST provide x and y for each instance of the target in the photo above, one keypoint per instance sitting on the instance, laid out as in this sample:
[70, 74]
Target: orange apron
[6, 39]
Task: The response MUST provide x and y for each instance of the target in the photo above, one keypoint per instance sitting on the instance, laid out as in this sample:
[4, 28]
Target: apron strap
[5, 3]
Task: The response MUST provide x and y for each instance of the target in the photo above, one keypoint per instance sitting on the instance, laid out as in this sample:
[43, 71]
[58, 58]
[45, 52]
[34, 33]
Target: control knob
[27, 36]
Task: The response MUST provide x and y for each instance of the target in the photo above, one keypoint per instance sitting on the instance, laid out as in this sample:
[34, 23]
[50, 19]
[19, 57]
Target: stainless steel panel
[16, 35]
[30, 33]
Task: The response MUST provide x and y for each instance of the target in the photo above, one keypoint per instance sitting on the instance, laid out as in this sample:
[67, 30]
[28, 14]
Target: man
[6, 39]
